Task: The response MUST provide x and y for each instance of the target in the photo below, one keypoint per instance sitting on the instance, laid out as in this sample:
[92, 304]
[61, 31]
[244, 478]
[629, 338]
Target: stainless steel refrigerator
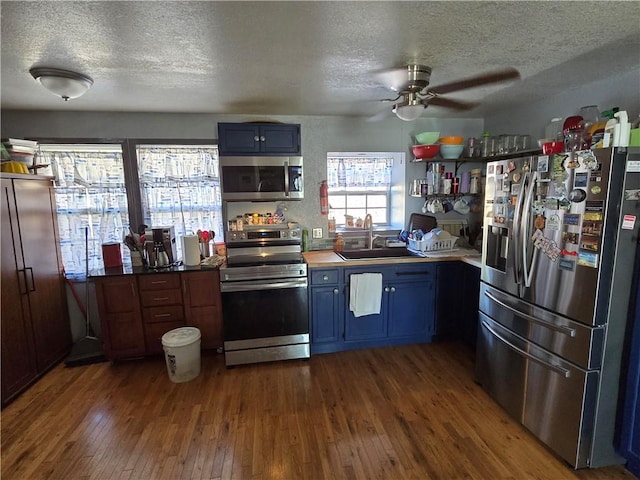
[559, 242]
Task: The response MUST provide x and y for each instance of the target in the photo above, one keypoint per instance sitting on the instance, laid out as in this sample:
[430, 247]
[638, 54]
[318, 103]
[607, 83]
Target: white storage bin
[182, 353]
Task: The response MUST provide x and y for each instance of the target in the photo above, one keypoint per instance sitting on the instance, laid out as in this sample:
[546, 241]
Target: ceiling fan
[411, 82]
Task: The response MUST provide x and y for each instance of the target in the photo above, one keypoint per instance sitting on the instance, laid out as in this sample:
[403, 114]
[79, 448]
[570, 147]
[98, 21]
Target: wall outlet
[317, 233]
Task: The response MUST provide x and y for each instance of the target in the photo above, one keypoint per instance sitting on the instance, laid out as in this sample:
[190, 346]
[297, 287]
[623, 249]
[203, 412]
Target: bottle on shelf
[339, 244]
[342, 174]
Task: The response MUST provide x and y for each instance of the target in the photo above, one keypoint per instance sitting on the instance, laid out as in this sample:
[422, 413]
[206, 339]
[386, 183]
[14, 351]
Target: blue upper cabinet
[259, 139]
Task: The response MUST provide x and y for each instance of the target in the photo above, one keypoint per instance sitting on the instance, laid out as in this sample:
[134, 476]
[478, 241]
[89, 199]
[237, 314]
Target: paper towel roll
[191, 250]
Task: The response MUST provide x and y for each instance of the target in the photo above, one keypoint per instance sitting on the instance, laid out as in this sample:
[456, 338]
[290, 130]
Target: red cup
[552, 147]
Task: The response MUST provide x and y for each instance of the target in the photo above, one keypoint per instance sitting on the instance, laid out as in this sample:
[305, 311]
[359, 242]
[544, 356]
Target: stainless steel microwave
[261, 178]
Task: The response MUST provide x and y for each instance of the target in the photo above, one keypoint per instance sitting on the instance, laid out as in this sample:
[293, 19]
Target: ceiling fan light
[62, 83]
[408, 113]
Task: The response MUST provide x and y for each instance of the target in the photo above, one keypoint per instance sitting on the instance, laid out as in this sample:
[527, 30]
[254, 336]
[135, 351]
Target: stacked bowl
[427, 147]
[451, 146]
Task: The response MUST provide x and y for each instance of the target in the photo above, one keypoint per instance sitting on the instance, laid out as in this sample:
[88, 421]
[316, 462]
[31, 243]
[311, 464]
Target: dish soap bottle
[339, 246]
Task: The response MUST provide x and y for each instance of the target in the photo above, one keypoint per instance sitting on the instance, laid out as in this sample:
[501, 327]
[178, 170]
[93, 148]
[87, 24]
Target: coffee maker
[160, 246]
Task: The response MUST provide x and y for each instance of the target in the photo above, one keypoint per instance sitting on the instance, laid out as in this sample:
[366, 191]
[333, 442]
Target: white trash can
[182, 353]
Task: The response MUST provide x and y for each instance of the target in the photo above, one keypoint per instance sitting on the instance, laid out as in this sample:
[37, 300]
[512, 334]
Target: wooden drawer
[324, 277]
[163, 314]
[153, 333]
[157, 298]
[159, 281]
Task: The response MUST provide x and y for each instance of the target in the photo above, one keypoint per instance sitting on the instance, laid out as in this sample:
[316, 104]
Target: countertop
[122, 270]
[328, 258]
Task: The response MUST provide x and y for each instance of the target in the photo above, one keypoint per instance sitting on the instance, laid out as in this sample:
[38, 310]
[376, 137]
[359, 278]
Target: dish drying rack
[432, 245]
[455, 228]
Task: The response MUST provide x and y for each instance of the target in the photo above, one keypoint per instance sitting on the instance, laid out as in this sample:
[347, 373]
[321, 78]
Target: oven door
[265, 320]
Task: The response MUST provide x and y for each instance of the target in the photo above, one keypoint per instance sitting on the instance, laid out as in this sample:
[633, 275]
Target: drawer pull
[158, 315]
[161, 298]
[325, 277]
[158, 282]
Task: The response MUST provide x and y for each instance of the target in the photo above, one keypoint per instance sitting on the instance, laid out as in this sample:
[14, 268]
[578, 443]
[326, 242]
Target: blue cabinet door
[411, 310]
[238, 138]
[280, 139]
[326, 309]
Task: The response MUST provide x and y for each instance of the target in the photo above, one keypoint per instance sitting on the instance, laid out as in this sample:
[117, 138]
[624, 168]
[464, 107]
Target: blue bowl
[451, 151]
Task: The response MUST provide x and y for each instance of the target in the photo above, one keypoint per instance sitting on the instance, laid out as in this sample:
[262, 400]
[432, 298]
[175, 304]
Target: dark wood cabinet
[203, 306]
[258, 139]
[36, 333]
[120, 316]
[137, 310]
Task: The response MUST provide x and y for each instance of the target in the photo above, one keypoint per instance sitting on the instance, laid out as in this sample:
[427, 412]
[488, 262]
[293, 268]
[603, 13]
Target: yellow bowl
[452, 140]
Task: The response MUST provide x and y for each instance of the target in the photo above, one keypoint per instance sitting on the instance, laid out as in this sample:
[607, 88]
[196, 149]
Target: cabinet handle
[158, 282]
[262, 139]
[133, 289]
[161, 298]
[33, 282]
[158, 315]
[256, 138]
[325, 277]
[24, 284]
[336, 291]
[393, 289]
[386, 289]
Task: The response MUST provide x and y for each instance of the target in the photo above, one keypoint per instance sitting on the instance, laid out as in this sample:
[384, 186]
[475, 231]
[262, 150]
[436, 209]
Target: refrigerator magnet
[543, 164]
[539, 222]
[587, 259]
[553, 222]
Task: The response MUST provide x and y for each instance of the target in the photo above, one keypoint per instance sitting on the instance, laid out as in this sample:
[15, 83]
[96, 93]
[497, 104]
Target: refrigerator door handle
[517, 217]
[564, 330]
[526, 233]
[556, 368]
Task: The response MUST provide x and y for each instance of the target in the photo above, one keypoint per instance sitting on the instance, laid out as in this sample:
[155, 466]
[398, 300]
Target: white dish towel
[365, 293]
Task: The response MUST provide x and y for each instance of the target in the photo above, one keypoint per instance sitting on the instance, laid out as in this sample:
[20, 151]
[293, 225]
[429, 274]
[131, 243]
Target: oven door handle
[261, 285]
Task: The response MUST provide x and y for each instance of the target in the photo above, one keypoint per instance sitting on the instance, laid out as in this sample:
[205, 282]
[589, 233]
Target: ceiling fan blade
[448, 103]
[477, 81]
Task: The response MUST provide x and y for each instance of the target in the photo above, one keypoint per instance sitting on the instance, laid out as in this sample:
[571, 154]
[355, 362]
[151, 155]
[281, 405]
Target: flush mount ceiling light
[62, 83]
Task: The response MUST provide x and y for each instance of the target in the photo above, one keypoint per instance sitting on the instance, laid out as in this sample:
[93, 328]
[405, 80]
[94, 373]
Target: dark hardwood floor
[388, 413]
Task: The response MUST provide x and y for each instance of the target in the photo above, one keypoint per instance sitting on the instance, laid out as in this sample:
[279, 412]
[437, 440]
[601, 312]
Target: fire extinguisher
[324, 198]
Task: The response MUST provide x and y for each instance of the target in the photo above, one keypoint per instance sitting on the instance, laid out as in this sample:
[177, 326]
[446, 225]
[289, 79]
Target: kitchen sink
[376, 253]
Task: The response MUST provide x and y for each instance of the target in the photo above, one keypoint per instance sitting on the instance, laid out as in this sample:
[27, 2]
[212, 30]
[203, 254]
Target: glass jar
[474, 184]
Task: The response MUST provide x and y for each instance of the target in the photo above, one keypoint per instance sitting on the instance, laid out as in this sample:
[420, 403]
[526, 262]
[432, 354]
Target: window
[179, 186]
[90, 194]
[362, 183]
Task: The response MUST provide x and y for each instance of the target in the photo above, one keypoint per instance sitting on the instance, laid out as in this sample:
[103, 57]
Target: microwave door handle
[286, 179]
[526, 234]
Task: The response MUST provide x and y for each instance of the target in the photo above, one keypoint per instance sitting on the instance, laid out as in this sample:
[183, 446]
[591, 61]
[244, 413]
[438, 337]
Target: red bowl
[426, 151]
[552, 147]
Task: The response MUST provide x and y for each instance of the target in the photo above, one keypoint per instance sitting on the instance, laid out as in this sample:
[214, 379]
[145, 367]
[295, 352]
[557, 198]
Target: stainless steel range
[264, 295]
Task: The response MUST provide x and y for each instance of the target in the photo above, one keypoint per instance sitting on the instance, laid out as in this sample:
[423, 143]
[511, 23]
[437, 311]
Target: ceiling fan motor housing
[418, 77]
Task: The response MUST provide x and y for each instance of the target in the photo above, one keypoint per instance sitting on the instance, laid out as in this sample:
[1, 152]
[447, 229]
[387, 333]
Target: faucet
[368, 224]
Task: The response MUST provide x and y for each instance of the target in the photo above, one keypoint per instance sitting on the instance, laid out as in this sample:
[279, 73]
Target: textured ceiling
[305, 58]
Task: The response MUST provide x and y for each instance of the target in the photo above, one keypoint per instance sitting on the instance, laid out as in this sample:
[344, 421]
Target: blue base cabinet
[258, 139]
[406, 311]
[630, 431]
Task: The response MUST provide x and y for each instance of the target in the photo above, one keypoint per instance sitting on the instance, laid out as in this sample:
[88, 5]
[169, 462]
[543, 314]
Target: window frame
[395, 192]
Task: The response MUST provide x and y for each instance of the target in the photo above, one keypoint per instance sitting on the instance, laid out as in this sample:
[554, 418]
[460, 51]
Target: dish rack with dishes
[432, 244]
